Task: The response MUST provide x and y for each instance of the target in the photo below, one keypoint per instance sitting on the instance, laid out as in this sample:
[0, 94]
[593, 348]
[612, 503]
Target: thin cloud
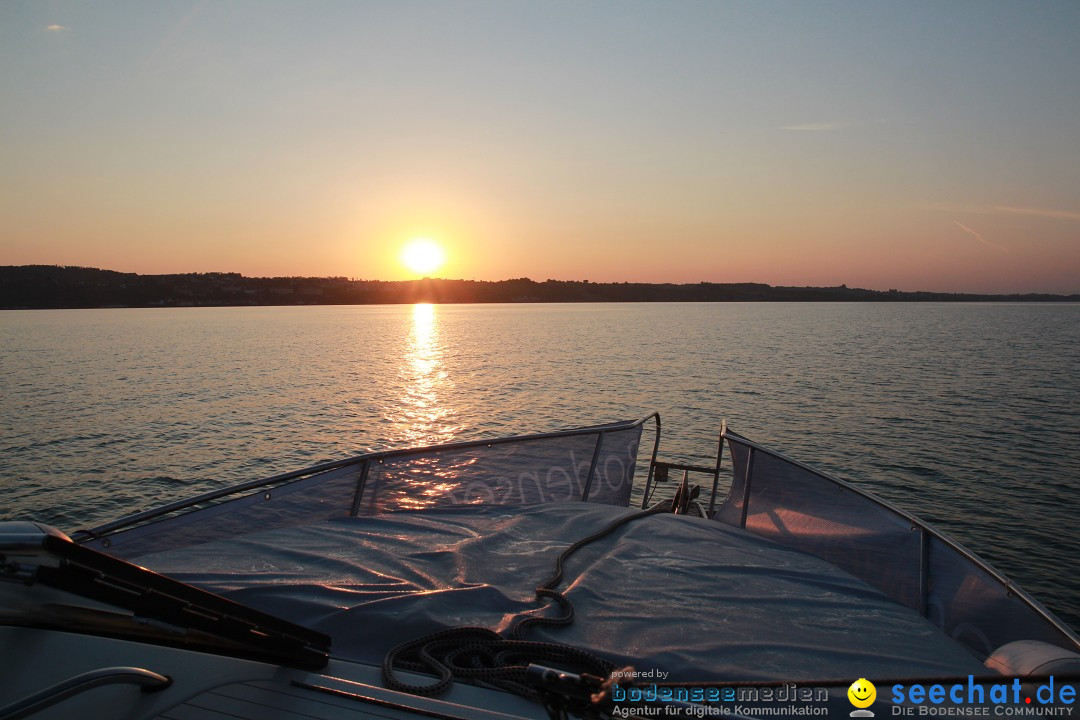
[1040, 212]
[817, 127]
[978, 236]
[1004, 210]
[170, 38]
[56, 28]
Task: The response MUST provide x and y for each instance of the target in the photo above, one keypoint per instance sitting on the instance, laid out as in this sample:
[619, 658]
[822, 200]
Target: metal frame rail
[148, 680]
[653, 478]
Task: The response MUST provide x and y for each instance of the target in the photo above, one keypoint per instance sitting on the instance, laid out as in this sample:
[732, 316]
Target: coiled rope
[477, 653]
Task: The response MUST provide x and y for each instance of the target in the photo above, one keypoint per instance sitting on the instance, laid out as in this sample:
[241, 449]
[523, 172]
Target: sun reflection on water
[423, 416]
[425, 381]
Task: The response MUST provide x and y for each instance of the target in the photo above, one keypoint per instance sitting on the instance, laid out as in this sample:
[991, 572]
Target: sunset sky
[911, 145]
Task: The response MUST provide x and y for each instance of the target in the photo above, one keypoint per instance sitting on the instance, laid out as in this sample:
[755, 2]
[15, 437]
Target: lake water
[965, 414]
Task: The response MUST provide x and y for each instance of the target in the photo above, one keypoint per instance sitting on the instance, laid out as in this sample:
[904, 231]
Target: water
[966, 415]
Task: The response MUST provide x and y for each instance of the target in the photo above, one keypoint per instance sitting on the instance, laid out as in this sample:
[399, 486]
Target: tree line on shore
[53, 286]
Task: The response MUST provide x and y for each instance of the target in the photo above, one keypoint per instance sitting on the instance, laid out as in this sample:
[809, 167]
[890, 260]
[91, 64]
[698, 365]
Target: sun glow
[423, 256]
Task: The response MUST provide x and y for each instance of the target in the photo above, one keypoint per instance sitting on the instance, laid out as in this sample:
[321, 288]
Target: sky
[910, 145]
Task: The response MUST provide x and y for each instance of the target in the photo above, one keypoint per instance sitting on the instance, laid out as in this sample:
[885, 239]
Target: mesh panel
[614, 475]
[800, 508]
[974, 607]
[520, 472]
[730, 511]
[319, 497]
[796, 507]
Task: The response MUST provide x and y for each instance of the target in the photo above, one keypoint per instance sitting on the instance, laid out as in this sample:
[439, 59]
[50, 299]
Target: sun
[423, 256]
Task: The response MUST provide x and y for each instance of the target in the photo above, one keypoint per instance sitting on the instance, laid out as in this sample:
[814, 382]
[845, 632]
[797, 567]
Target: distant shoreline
[32, 287]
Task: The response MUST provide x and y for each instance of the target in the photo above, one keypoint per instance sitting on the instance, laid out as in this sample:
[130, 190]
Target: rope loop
[477, 653]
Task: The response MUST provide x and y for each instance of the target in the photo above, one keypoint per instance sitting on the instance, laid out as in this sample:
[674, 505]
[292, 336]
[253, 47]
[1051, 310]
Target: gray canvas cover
[698, 599]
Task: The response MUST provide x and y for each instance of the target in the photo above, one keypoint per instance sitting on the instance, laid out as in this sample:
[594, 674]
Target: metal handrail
[926, 529]
[672, 465]
[716, 470]
[592, 466]
[149, 681]
[652, 459]
[85, 535]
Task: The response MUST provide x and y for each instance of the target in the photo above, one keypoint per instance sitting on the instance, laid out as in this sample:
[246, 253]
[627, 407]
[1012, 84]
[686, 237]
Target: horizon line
[525, 278]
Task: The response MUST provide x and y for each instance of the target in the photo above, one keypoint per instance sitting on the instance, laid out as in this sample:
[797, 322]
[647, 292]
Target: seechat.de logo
[862, 694]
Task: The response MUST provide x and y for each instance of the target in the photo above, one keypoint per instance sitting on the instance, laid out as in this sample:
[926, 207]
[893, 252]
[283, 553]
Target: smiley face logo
[862, 693]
